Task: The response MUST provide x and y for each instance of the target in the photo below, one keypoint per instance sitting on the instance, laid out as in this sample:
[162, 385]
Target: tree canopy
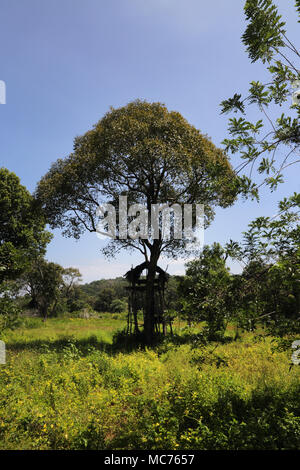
[141, 150]
[49, 285]
[147, 153]
[22, 226]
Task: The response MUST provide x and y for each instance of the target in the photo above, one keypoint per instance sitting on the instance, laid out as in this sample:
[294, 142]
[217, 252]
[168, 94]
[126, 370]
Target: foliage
[267, 292]
[102, 294]
[22, 233]
[150, 155]
[134, 150]
[104, 300]
[237, 396]
[78, 300]
[204, 290]
[50, 286]
[22, 237]
[119, 305]
[269, 287]
[173, 294]
[261, 144]
[9, 311]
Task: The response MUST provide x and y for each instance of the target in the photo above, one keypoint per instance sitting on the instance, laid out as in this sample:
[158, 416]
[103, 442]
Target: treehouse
[137, 279]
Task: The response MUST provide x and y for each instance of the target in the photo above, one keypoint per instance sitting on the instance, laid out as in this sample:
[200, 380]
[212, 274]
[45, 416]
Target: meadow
[68, 385]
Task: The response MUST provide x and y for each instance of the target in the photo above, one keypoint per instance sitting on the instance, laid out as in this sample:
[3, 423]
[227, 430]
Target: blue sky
[66, 61]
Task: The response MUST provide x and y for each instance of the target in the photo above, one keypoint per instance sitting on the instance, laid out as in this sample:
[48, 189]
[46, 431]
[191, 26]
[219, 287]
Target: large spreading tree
[152, 156]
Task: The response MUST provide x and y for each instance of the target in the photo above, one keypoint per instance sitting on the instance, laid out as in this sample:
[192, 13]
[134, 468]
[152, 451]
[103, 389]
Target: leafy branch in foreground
[269, 145]
[270, 239]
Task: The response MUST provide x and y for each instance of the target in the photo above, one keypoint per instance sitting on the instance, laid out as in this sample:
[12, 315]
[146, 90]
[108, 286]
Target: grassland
[66, 385]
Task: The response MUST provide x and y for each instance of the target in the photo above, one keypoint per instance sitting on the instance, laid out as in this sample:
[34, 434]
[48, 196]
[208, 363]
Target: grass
[67, 386]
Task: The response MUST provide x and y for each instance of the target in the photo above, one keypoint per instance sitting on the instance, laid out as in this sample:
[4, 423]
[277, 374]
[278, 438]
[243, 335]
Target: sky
[65, 62]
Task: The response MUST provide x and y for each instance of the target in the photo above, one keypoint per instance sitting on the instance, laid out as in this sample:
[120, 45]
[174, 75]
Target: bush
[9, 313]
[118, 306]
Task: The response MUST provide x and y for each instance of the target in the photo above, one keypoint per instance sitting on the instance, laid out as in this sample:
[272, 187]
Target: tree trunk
[45, 314]
[150, 294]
[135, 314]
[44, 310]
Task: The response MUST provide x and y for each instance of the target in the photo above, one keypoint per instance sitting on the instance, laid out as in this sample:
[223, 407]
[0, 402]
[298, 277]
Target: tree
[78, 300]
[102, 293]
[269, 287]
[269, 284]
[205, 289]
[22, 227]
[118, 306]
[50, 286]
[9, 310]
[71, 278]
[22, 236]
[104, 300]
[269, 145]
[172, 293]
[148, 154]
[44, 282]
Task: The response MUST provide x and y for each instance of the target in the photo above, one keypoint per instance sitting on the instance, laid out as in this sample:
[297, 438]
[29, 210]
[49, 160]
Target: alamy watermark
[2, 92]
[296, 353]
[2, 352]
[162, 221]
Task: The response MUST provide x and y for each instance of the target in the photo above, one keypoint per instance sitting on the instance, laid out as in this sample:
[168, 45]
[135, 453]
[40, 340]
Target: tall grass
[65, 386]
